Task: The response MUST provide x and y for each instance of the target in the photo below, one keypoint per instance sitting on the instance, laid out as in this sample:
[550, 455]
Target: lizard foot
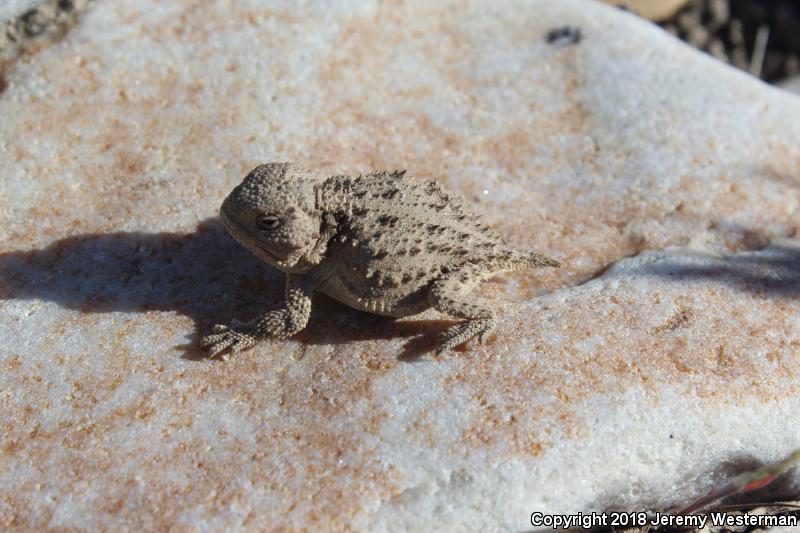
[224, 338]
[461, 333]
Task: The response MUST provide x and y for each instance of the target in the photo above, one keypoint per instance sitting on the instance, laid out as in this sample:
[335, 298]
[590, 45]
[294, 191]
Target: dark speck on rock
[564, 36]
[31, 23]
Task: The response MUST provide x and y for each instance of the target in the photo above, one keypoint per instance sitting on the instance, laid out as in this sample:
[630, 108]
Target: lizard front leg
[281, 323]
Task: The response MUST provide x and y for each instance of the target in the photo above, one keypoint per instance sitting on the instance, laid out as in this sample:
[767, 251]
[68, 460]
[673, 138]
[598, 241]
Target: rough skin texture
[381, 243]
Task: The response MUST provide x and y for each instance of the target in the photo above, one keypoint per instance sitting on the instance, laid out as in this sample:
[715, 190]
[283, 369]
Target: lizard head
[272, 213]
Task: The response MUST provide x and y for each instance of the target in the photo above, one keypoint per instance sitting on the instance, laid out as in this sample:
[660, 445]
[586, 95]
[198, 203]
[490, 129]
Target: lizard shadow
[203, 275]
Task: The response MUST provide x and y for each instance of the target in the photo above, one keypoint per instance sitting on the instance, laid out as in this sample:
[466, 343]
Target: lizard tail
[527, 260]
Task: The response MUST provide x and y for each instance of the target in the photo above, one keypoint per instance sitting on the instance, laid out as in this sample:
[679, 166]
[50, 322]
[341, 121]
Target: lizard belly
[396, 303]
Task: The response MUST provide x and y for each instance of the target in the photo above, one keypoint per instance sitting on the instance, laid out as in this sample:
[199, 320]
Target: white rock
[633, 383]
[10, 9]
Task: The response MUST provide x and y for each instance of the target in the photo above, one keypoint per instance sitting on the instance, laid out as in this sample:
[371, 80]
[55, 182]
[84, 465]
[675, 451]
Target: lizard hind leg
[450, 295]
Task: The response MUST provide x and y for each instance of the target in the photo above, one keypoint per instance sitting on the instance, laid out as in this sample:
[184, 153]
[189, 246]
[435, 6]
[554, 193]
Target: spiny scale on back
[432, 223]
[380, 242]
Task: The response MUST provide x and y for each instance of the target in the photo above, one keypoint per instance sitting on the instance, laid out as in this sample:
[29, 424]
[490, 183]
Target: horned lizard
[381, 242]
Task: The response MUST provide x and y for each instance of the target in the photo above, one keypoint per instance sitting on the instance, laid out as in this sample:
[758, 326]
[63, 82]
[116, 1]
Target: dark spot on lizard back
[390, 194]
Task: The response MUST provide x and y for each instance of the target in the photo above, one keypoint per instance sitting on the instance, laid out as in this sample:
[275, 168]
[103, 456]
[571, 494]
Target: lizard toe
[210, 340]
[220, 346]
[241, 343]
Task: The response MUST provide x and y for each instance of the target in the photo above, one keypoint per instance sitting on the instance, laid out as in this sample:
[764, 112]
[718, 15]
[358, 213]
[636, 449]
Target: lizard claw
[225, 338]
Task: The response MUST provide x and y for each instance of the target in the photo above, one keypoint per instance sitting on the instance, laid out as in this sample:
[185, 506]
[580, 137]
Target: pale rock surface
[614, 382]
[10, 9]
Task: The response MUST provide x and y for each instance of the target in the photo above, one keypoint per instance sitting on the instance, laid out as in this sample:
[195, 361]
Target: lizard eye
[267, 222]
